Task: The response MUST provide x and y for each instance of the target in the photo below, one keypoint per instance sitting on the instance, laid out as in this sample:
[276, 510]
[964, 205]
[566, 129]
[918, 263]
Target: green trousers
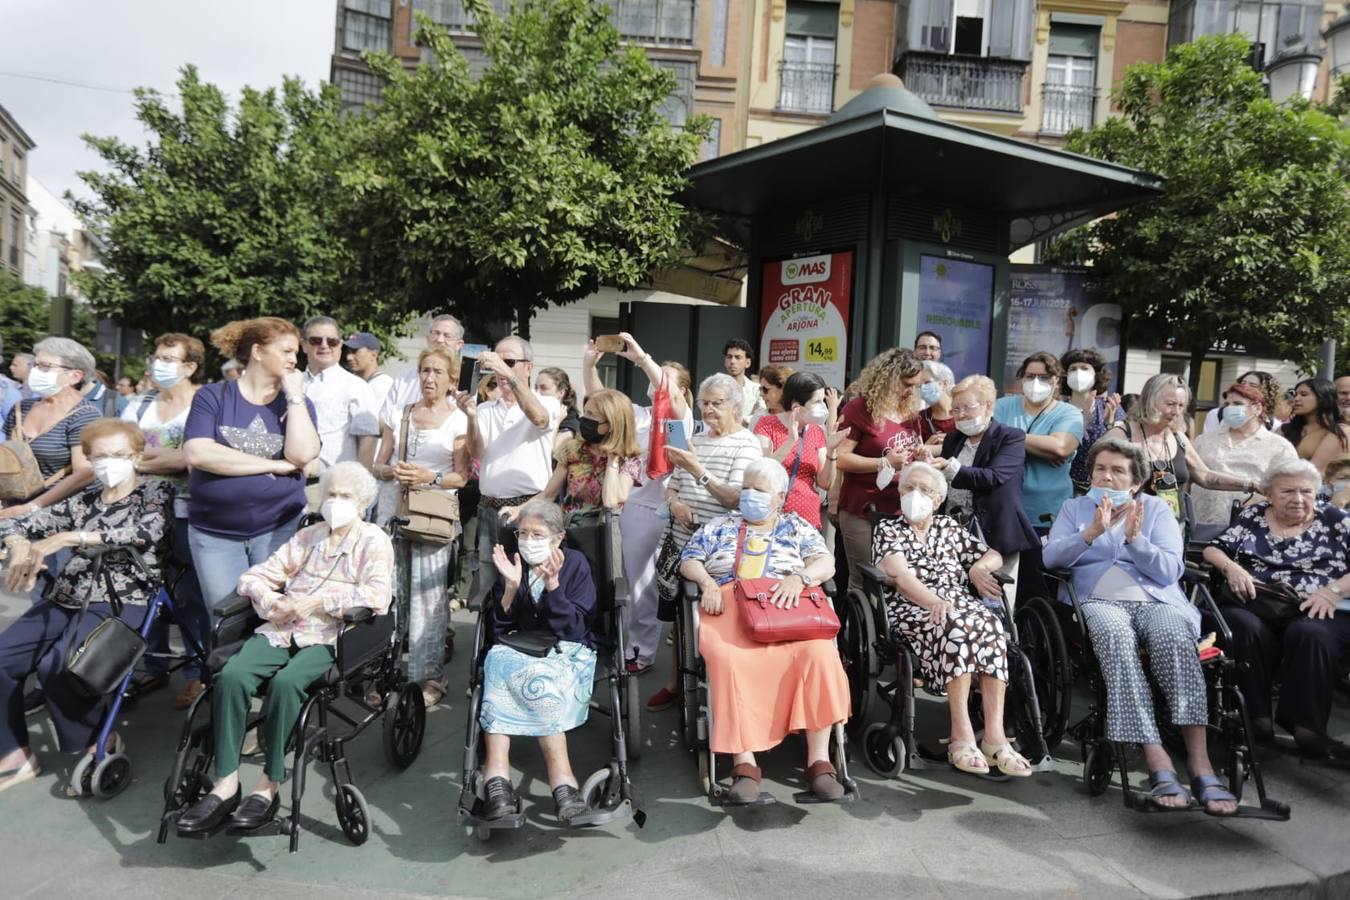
[287, 672]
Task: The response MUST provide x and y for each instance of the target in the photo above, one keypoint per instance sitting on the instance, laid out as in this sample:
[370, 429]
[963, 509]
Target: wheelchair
[608, 792]
[369, 658]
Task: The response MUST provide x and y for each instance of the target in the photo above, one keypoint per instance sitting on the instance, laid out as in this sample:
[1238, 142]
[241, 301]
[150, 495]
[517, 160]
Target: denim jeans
[187, 605]
[220, 560]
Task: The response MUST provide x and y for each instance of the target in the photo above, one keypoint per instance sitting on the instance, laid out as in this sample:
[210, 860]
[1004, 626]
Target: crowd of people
[962, 497]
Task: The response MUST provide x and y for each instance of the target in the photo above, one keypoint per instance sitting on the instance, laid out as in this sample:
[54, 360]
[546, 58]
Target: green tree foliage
[1251, 242]
[227, 213]
[551, 174]
[24, 314]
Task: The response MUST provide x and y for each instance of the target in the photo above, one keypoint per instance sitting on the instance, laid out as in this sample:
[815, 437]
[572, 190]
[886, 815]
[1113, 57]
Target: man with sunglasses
[344, 402]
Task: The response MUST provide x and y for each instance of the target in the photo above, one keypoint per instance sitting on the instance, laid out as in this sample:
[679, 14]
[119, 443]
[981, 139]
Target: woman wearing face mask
[600, 466]
[1124, 550]
[938, 571]
[424, 446]
[1315, 427]
[122, 510]
[935, 395]
[547, 592]
[1054, 430]
[1243, 447]
[1336, 482]
[1272, 396]
[802, 437]
[760, 693]
[301, 592]
[1087, 386]
[176, 370]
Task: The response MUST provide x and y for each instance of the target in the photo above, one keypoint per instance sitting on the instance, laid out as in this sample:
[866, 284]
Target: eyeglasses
[167, 359]
[968, 409]
[712, 404]
[128, 456]
[533, 535]
[316, 341]
[47, 367]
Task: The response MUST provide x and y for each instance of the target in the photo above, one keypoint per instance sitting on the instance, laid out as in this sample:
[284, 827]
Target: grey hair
[526, 351]
[940, 371]
[545, 511]
[1133, 452]
[352, 471]
[1145, 411]
[320, 320]
[770, 468]
[71, 353]
[229, 366]
[1290, 468]
[446, 317]
[914, 468]
[28, 357]
[723, 383]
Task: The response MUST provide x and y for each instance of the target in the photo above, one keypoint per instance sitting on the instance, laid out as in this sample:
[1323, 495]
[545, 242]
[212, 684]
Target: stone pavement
[940, 835]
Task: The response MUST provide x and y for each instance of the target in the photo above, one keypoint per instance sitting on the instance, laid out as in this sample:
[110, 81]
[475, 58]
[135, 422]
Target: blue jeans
[220, 560]
[187, 605]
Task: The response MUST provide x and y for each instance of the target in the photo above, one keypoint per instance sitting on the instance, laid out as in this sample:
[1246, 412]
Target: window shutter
[1010, 27]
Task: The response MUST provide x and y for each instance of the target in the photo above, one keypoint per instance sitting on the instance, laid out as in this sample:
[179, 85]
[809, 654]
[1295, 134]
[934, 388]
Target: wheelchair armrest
[236, 621]
[358, 614]
[829, 587]
[874, 573]
[234, 605]
[1002, 578]
[1061, 576]
[1195, 573]
[689, 590]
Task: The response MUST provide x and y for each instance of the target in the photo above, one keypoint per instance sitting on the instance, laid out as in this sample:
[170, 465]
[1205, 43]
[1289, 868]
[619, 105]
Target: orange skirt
[760, 693]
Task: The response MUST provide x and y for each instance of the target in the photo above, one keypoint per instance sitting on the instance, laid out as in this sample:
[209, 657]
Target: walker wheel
[885, 757]
[111, 776]
[81, 777]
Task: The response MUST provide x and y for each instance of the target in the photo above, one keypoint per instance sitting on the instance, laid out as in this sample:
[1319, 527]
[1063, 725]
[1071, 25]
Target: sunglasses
[320, 341]
[512, 362]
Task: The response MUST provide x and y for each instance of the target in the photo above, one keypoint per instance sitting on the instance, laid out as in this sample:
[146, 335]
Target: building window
[4, 153]
[15, 222]
[365, 25]
[1070, 92]
[655, 21]
[712, 146]
[451, 14]
[679, 106]
[1266, 23]
[16, 174]
[806, 74]
[994, 28]
[358, 88]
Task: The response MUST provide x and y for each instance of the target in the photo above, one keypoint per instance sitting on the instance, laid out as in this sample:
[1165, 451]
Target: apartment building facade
[15, 145]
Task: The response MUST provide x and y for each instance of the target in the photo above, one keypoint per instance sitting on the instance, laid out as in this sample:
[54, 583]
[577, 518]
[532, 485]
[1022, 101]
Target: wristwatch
[437, 479]
[704, 479]
[806, 579]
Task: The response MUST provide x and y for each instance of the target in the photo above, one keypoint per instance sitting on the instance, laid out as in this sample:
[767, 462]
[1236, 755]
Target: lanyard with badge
[1164, 484]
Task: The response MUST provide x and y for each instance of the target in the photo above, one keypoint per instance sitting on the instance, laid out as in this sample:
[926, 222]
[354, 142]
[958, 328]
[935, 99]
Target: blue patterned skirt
[533, 696]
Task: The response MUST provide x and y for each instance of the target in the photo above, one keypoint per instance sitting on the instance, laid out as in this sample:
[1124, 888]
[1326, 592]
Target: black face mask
[590, 430]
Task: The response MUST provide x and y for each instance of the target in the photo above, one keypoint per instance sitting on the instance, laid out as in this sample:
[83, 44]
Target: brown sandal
[823, 780]
[744, 784]
[190, 692]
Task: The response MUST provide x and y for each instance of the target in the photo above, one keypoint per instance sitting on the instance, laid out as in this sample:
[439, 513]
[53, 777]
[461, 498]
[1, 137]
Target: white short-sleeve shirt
[346, 410]
[517, 457]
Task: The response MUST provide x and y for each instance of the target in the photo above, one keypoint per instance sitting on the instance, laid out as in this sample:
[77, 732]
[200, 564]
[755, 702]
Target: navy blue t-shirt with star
[241, 505]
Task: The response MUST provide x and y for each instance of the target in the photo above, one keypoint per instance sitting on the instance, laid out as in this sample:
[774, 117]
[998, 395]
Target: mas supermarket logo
[807, 270]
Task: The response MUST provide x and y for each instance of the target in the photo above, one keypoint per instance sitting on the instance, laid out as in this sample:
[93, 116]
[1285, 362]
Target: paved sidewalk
[940, 835]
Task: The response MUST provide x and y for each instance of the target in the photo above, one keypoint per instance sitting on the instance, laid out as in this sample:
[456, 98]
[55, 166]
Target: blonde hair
[981, 386]
[880, 383]
[236, 340]
[451, 365]
[102, 428]
[621, 442]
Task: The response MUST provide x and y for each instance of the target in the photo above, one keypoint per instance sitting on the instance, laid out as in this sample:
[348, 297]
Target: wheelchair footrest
[720, 798]
[473, 818]
[850, 795]
[602, 816]
[274, 826]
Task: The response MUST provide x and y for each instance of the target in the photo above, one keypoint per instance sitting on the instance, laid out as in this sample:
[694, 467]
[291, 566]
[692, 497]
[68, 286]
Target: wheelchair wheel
[405, 723]
[1098, 763]
[857, 652]
[1042, 642]
[111, 776]
[188, 782]
[593, 789]
[353, 814]
[885, 757]
[688, 680]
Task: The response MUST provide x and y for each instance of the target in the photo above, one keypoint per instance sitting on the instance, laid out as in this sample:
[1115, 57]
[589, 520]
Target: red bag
[813, 617]
[658, 465]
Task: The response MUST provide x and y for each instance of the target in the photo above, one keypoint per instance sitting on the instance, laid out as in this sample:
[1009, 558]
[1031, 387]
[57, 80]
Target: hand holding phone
[675, 436]
[609, 343]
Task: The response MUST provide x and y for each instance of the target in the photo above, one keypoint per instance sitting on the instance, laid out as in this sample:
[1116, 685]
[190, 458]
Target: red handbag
[658, 464]
[813, 617]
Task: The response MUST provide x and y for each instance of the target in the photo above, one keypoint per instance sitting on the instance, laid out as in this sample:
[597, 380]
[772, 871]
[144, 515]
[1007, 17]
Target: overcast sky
[141, 43]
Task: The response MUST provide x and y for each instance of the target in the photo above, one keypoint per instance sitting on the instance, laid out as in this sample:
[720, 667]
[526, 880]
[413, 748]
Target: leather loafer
[255, 812]
[569, 802]
[207, 814]
[499, 799]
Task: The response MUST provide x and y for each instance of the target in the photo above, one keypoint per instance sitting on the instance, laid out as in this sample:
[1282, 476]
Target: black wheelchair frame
[369, 651]
[608, 792]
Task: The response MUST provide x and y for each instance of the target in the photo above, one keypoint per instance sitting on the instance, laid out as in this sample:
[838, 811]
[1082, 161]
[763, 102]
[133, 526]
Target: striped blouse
[725, 458]
[52, 447]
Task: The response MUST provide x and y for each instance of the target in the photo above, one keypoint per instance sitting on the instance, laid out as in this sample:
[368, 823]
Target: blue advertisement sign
[956, 301]
[1051, 309]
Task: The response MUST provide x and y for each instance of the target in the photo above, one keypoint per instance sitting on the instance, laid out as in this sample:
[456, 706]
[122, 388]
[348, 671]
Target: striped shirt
[52, 447]
[725, 459]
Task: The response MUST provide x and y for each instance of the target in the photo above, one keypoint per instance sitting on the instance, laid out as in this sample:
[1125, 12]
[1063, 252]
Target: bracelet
[84, 540]
[299, 399]
[834, 458]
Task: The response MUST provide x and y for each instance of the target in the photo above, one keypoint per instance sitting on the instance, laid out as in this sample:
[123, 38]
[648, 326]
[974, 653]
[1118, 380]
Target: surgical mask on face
[1118, 498]
[1234, 416]
[1082, 379]
[1036, 390]
[816, 414]
[970, 427]
[590, 430]
[43, 384]
[1338, 486]
[930, 393]
[165, 374]
[535, 550]
[756, 506]
[338, 512]
[112, 472]
[916, 506]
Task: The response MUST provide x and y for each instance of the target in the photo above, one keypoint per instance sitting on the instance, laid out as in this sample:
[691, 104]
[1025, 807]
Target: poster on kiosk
[804, 306]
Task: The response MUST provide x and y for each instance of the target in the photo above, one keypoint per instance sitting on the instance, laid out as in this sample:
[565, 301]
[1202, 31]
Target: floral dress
[1305, 562]
[586, 475]
[971, 640]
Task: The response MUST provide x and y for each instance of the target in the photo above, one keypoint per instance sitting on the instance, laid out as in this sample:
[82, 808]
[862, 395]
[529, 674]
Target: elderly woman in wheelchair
[302, 593]
[539, 671]
[1125, 555]
[762, 692]
[932, 563]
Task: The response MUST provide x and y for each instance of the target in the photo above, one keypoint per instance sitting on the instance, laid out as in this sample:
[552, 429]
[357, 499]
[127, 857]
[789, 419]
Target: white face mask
[535, 550]
[112, 472]
[916, 506]
[816, 414]
[970, 427]
[1036, 390]
[884, 475]
[1082, 379]
[165, 374]
[43, 384]
[338, 512]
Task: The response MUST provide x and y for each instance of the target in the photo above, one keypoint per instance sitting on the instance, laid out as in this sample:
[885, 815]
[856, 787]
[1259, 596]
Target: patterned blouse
[141, 519]
[802, 498]
[941, 559]
[357, 574]
[792, 542]
[1305, 562]
[585, 467]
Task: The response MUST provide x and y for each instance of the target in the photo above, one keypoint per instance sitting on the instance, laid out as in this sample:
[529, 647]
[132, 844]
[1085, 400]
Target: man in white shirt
[512, 439]
[345, 403]
[363, 358]
[736, 358]
[1343, 396]
[445, 331]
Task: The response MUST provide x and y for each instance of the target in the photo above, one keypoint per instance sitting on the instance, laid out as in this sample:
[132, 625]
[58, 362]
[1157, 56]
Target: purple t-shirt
[241, 505]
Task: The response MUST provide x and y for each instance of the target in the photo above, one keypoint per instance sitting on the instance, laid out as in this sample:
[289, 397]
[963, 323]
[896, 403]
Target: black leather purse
[101, 662]
[1275, 602]
[531, 643]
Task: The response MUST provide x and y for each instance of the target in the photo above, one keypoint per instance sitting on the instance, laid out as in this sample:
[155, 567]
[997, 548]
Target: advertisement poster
[956, 300]
[804, 314]
[1049, 308]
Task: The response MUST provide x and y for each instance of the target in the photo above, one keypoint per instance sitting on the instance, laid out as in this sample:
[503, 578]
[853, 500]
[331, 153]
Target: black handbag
[1274, 602]
[531, 643]
[101, 662]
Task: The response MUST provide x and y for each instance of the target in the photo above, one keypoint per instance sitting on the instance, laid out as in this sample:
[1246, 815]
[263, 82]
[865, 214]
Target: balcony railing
[966, 82]
[1066, 107]
[806, 87]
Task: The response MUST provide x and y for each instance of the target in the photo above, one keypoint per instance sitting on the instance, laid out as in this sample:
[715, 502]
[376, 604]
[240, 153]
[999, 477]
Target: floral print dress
[971, 641]
[586, 475]
[1305, 562]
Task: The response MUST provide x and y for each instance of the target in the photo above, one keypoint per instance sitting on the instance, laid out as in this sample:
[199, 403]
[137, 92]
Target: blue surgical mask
[1234, 416]
[756, 506]
[930, 393]
[1118, 498]
[165, 374]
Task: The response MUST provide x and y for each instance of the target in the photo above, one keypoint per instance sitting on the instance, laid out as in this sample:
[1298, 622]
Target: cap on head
[362, 340]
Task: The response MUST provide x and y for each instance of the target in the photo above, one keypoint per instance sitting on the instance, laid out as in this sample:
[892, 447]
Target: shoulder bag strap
[18, 434]
[145, 404]
[403, 434]
[801, 451]
[740, 542]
